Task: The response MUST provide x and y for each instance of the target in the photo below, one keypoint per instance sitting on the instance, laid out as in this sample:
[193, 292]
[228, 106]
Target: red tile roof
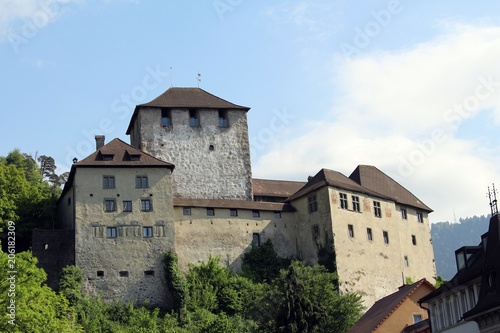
[384, 308]
[187, 98]
[275, 188]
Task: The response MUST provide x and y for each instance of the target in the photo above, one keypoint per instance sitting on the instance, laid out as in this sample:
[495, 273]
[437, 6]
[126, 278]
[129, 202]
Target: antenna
[198, 78]
[492, 195]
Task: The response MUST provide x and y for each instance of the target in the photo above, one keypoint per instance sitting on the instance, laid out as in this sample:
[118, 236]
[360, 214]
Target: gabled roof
[385, 307]
[326, 177]
[123, 155]
[275, 188]
[115, 154]
[372, 178]
[187, 98]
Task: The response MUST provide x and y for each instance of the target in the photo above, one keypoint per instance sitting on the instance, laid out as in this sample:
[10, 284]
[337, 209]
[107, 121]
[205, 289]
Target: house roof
[116, 154]
[420, 327]
[385, 307]
[188, 98]
[275, 188]
[489, 295]
[237, 204]
[372, 178]
[326, 177]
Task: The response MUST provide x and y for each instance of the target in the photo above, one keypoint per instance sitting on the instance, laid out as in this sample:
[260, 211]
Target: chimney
[99, 141]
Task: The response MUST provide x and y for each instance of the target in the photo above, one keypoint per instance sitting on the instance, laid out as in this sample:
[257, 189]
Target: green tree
[262, 263]
[38, 309]
[70, 284]
[176, 283]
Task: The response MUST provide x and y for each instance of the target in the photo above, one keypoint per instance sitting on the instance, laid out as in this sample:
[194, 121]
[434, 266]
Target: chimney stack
[99, 141]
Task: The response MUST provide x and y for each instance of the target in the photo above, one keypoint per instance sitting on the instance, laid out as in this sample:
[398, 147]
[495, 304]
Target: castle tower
[204, 136]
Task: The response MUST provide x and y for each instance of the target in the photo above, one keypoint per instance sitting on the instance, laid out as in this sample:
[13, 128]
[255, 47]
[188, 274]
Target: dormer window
[166, 118]
[135, 157]
[107, 157]
[193, 118]
[223, 121]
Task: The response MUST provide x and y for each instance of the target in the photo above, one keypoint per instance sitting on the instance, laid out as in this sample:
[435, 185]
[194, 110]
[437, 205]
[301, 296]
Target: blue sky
[412, 87]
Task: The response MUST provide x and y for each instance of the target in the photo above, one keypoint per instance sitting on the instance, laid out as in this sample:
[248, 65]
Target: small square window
[223, 121]
[141, 182]
[69, 201]
[210, 212]
[350, 229]
[111, 232]
[108, 182]
[255, 213]
[193, 119]
[233, 212]
[386, 237]
[149, 273]
[147, 232]
[186, 211]
[414, 239]
[420, 217]
[109, 205]
[277, 215]
[376, 209]
[127, 206]
[404, 214]
[146, 205]
[343, 201]
[166, 119]
[355, 203]
[369, 234]
[407, 263]
[312, 204]
[417, 318]
[100, 273]
[123, 273]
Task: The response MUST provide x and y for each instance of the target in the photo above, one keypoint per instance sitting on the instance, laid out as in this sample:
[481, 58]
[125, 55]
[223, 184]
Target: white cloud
[398, 111]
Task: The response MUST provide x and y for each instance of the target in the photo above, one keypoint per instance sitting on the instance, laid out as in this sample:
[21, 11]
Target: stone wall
[211, 162]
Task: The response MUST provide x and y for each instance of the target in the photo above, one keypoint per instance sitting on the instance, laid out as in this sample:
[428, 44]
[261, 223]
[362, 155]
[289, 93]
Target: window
[312, 204]
[369, 234]
[350, 229]
[141, 182]
[127, 206]
[166, 119]
[100, 274]
[277, 215]
[146, 205]
[376, 209]
[149, 273]
[210, 212]
[463, 302]
[315, 232]
[404, 215]
[186, 211]
[69, 201]
[147, 232]
[420, 217]
[108, 182]
[355, 203]
[107, 157]
[109, 205]
[386, 237]
[255, 239]
[255, 213]
[407, 263]
[343, 201]
[193, 119]
[233, 212]
[417, 318]
[111, 232]
[123, 273]
[414, 239]
[472, 297]
[223, 121]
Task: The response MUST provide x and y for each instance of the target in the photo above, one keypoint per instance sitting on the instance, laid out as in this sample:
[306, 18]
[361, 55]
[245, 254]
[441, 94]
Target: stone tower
[204, 136]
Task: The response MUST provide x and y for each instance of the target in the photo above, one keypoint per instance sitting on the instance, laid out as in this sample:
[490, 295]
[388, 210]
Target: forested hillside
[448, 237]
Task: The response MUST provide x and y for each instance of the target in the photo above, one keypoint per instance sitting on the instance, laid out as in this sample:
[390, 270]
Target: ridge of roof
[372, 178]
[186, 97]
[271, 187]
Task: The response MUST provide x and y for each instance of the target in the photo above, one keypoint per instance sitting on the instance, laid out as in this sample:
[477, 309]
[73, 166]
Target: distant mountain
[448, 237]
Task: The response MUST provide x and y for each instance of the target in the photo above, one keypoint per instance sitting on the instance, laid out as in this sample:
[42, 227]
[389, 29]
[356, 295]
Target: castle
[184, 184]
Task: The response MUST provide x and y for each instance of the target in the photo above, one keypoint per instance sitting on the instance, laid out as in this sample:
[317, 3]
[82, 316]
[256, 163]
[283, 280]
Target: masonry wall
[210, 162]
[128, 265]
[199, 236]
[373, 268]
